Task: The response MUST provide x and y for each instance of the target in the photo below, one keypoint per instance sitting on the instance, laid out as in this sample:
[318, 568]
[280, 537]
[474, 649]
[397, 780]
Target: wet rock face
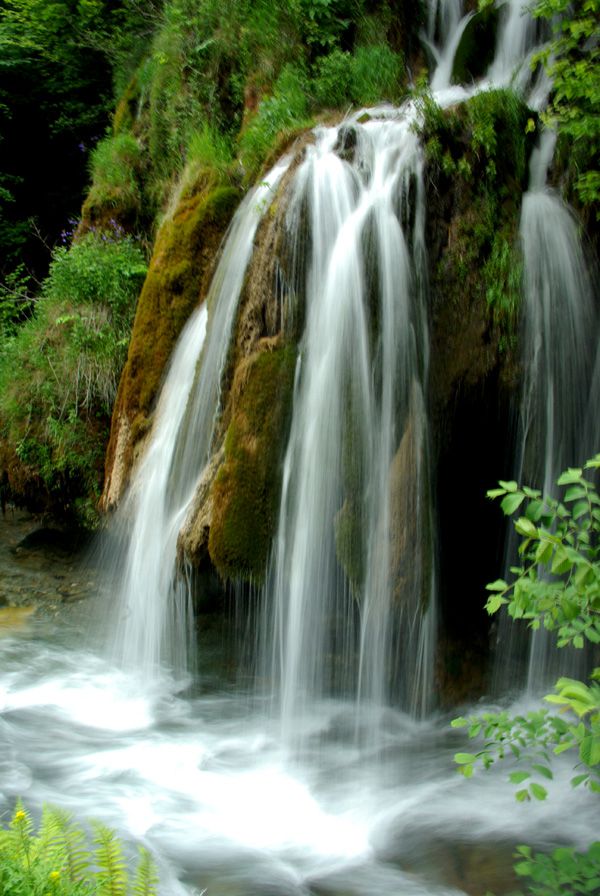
[178, 278]
[346, 143]
[245, 493]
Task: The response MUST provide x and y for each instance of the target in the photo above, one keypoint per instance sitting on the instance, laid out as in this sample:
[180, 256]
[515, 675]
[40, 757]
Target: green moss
[127, 106]
[246, 491]
[349, 542]
[179, 271]
[116, 194]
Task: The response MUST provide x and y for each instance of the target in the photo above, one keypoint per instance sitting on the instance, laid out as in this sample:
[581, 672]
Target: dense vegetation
[57, 860]
[157, 104]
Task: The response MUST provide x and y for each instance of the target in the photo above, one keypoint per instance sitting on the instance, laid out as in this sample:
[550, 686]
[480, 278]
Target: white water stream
[204, 782]
[368, 802]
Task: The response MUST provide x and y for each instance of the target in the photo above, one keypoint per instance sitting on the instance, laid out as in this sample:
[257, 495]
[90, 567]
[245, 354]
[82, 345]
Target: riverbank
[45, 572]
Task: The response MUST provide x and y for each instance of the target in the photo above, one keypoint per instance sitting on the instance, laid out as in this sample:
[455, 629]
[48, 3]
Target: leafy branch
[557, 586]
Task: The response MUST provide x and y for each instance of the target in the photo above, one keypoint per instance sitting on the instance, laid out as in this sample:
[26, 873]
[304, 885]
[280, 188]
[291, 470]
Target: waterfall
[153, 614]
[356, 469]
[559, 425]
[350, 596]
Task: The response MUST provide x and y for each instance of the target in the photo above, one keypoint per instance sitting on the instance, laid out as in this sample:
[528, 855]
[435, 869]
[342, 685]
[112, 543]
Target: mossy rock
[477, 172]
[348, 530]
[475, 51]
[245, 493]
[178, 277]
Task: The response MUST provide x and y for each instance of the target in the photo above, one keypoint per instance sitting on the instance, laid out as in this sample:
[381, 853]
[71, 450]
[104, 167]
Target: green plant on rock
[502, 273]
[285, 110]
[59, 373]
[115, 166]
[56, 860]
[555, 586]
[370, 75]
[572, 59]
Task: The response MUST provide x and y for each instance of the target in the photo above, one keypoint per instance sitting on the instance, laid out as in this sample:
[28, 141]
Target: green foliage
[502, 273]
[557, 586]
[115, 166]
[572, 59]
[377, 74]
[324, 22]
[562, 872]
[333, 78]
[57, 861]
[59, 373]
[209, 148]
[285, 110]
[369, 75]
[15, 301]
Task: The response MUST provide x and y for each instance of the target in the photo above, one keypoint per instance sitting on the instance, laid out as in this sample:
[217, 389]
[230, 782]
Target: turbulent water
[347, 794]
[205, 783]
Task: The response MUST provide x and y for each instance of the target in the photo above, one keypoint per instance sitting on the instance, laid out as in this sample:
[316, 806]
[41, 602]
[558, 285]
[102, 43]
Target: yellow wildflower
[20, 815]
[54, 875]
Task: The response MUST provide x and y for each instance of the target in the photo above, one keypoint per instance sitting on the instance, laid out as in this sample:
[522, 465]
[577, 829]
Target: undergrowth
[57, 859]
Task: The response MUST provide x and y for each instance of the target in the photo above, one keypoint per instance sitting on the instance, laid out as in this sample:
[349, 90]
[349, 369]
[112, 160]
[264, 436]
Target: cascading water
[356, 463]
[154, 623]
[206, 781]
[559, 424]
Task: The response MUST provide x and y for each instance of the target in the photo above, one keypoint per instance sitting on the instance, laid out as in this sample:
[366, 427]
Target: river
[197, 771]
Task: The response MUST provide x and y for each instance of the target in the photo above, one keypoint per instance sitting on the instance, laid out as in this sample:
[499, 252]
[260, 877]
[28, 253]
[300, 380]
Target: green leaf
[518, 777]
[579, 779]
[539, 792]
[464, 758]
[497, 585]
[543, 552]
[459, 723]
[522, 795]
[544, 771]
[494, 603]
[510, 486]
[589, 750]
[525, 527]
[572, 494]
[511, 503]
[572, 475]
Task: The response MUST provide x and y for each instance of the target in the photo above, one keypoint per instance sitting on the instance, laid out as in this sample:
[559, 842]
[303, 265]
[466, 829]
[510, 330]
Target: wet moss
[349, 530]
[246, 490]
[477, 172]
[178, 277]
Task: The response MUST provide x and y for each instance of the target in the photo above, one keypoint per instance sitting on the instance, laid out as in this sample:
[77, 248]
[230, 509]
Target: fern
[56, 861]
[146, 877]
[112, 875]
[63, 844]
